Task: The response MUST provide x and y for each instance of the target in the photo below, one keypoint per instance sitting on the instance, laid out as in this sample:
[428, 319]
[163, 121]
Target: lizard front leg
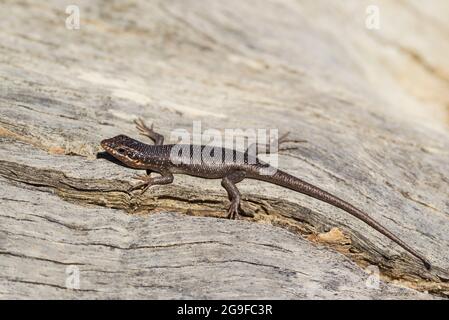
[228, 182]
[157, 138]
[148, 181]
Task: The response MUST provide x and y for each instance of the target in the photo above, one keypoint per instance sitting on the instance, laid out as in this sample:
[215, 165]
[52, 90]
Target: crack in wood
[12, 254]
[47, 284]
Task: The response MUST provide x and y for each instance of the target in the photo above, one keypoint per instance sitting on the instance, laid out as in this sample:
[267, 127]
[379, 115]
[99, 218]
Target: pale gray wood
[372, 106]
[163, 256]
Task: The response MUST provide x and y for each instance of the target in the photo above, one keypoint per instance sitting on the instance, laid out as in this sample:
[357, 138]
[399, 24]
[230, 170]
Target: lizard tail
[286, 180]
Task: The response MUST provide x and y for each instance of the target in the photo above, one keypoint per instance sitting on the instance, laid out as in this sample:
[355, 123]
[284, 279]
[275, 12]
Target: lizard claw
[233, 211]
[142, 127]
[283, 138]
[147, 182]
[144, 130]
[144, 186]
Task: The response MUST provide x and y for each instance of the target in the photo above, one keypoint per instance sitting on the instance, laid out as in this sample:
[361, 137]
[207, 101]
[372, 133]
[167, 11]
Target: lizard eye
[121, 150]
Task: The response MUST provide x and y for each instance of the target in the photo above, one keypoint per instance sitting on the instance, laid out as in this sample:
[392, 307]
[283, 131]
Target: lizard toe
[233, 211]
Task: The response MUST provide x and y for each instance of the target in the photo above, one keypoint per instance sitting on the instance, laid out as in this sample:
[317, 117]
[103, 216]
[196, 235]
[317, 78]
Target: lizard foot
[144, 185]
[141, 126]
[235, 212]
[144, 130]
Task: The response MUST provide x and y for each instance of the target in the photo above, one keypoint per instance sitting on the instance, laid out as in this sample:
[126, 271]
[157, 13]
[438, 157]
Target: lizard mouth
[112, 145]
[109, 149]
[105, 144]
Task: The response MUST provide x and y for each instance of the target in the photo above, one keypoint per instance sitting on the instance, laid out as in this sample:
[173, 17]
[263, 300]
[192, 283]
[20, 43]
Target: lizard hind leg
[256, 148]
[229, 183]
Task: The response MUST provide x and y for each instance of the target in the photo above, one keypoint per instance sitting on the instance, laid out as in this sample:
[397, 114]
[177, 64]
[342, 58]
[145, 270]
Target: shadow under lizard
[171, 159]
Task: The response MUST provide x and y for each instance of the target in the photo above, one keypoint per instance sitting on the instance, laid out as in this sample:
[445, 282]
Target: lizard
[166, 160]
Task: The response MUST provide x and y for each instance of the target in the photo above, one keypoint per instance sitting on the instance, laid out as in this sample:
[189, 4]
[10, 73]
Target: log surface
[371, 104]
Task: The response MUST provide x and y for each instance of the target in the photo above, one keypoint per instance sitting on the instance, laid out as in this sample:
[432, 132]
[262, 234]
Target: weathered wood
[370, 103]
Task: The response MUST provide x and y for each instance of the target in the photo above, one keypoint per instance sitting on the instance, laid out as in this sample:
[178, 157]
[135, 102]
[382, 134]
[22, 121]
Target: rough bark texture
[372, 105]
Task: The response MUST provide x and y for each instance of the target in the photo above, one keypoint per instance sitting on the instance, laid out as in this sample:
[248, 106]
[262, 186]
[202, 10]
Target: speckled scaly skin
[229, 165]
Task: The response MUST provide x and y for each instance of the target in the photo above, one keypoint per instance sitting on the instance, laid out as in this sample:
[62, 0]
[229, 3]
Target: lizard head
[125, 149]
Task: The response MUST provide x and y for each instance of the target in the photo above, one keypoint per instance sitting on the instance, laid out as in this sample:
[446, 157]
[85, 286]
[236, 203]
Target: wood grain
[371, 104]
